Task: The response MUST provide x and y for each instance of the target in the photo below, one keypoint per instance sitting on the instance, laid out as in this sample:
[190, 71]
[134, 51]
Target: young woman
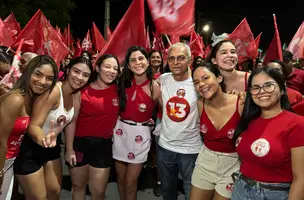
[224, 55]
[38, 165]
[89, 136]
[137, 93]
[15, 110]
[219, 115]
[269, 141]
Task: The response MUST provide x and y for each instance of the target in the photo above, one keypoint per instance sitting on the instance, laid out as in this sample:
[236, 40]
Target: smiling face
[226, 57]
[108, 71]
[178, 61]
[206, 83]
[265, 91]
[138, 63]
[41, 79]
[78, 75]
[155, 60]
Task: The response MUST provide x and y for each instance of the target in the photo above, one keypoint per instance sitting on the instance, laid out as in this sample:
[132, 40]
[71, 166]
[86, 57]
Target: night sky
[224, 15]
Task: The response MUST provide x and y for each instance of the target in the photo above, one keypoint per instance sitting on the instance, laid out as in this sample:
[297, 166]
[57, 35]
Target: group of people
[229, 134]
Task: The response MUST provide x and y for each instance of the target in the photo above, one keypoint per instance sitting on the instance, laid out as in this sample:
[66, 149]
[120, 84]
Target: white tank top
[60, 116]
[180, 121]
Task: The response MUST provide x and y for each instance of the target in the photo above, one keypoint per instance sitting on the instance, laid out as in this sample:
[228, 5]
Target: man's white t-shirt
[180, 130]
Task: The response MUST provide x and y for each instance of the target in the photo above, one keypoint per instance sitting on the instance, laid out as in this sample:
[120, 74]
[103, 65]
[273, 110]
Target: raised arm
[41, 109]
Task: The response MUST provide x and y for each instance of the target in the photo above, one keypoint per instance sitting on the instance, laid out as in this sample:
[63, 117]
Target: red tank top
[98, 112]
[219, 140]
[141, 107]
[16, 136]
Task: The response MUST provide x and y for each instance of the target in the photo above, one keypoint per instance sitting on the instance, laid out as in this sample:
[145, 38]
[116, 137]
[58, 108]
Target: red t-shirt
[296, 80]
[264, 148]
[219, 140]
[98, 112]
[141, 107]
[299, 108]
[15, 138]
[294, 96]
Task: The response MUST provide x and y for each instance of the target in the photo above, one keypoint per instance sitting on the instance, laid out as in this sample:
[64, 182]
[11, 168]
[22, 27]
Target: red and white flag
[296, 46]
[173, 17]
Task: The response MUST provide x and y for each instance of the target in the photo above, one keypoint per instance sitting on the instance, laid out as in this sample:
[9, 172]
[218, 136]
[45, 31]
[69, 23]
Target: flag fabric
[296, 46]
[195, 45]
[12, 25]
[129, 31]
[174, 17]
[244, 41]
[86, 44]
[6, 36]
[109, 33]
[97, 39]
[274, 50]
[41, 38]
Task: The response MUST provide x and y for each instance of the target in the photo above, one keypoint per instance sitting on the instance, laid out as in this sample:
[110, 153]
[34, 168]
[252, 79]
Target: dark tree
[57, 11]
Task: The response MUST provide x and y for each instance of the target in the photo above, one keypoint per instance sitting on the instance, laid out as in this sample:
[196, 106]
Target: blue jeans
[170, 164]
[244, 191]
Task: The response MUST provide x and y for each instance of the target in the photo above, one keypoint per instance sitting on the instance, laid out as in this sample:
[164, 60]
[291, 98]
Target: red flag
[58, 31]
[97, 39]
[158, 43]
[6, 36]
[296, 46]
[66, 37]
[12, 25]
[130, 31]
[244, 41]
[78, 49]
[195, 45]
[174, 39]
[86, 44]
[109, 33]
[41, 38]
[257, 40]
[173, 17]
[274, 50]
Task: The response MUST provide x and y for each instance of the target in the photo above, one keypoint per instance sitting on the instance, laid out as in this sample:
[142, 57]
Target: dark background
[223, 15]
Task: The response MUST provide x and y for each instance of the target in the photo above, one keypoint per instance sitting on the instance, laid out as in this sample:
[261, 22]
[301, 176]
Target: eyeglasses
[268, 87]
[178, 59]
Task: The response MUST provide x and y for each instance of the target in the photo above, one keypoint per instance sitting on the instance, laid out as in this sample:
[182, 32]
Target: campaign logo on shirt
[260, 147]
[204, 128]
[229, 187]
[142, 107]
[230, 133]
[119, 132]
[131, 156]
[238, 140]
[115, 102]
[177, 107]
[138, 139]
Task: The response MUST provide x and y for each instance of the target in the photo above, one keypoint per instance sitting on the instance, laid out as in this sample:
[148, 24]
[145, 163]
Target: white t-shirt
[180, 131]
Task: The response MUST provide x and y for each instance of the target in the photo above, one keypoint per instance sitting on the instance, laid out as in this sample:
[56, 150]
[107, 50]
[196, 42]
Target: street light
[206, 28]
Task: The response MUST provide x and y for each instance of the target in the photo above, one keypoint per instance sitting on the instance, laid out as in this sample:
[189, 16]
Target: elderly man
[180, 139]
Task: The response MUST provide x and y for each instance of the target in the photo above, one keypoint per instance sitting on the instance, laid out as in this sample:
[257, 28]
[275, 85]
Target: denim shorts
[244, 191]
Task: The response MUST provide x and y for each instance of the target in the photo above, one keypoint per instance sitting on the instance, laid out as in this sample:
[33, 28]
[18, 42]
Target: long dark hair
[213, 69]
[125, 80]
[252, 111]
[100, 61]
[75, 61]
[23, 83]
